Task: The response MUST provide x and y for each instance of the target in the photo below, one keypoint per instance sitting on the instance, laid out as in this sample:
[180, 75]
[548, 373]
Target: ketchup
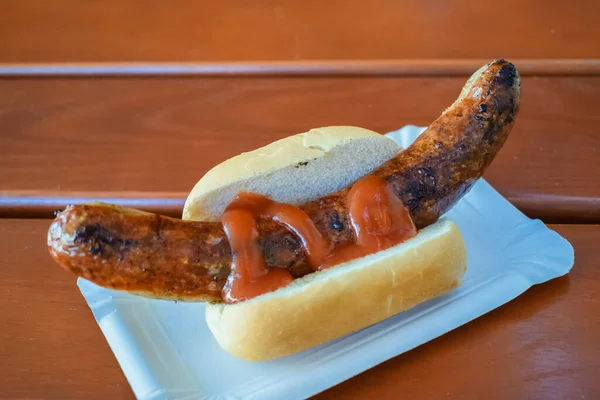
[378, 217]
[249, 275]
[379, 220]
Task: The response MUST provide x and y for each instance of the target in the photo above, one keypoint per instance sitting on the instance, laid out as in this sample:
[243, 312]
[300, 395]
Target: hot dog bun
[335, 302]
[325, 305]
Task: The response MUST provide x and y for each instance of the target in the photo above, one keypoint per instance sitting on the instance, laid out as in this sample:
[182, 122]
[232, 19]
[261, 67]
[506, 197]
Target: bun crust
[335, 302]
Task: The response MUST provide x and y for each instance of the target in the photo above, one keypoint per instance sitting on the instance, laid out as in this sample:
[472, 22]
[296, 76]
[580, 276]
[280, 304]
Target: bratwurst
[161, 257]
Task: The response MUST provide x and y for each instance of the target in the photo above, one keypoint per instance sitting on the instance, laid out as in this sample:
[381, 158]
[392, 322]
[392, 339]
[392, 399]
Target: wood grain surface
[146, 30]
[76, 138]
[50, 345]
[101, 130]
[541, 345]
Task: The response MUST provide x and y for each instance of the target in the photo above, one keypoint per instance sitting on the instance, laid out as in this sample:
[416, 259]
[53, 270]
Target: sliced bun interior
[292, 170]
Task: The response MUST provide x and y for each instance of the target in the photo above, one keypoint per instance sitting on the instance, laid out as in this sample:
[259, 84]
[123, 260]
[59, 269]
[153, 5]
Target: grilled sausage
[157, 256]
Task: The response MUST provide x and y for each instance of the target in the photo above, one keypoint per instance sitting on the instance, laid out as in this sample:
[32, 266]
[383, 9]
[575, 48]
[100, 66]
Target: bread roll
[326, 305]
[329, 304]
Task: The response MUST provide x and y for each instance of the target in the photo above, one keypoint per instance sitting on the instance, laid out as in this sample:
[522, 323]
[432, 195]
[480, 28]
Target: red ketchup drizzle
[379, 220]
[378, 217]
[249, 275]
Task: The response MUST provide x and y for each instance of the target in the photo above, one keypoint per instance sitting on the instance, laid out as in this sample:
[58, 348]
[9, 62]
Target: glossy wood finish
[137, 138]
[144, 141]
[541, 345]
[50, 345]
[146, 30]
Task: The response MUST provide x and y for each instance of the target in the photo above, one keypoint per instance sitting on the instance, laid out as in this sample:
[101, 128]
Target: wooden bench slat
[135, 138]
[139, 30]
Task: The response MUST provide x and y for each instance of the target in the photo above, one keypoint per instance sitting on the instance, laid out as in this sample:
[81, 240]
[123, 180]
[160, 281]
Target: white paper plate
[166, 350]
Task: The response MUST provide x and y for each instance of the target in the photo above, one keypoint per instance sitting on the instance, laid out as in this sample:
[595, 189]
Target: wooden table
[133, 102]
[540, 345]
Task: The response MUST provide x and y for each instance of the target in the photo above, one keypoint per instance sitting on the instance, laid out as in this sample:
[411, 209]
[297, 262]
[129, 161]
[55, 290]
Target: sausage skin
[168, 258]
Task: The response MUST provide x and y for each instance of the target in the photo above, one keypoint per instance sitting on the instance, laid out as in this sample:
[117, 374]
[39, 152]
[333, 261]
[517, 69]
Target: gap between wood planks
[328, 68]
[551, 209]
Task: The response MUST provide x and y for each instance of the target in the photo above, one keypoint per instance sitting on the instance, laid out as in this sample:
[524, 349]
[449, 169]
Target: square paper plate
[167, 352]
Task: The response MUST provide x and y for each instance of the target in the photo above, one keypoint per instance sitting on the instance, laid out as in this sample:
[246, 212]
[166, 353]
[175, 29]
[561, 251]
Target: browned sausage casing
[163, 257]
